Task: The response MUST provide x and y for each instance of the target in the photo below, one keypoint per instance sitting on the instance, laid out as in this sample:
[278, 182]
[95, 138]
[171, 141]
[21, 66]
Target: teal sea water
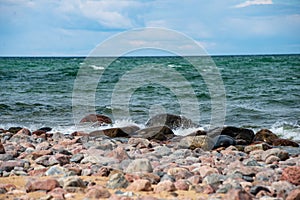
[261, 91]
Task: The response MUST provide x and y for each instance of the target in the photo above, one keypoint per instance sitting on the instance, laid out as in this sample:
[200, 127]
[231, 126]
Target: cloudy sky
[75, 27]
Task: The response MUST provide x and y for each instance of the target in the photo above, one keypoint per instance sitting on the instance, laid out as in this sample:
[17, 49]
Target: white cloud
[111, 14]
[254, 2]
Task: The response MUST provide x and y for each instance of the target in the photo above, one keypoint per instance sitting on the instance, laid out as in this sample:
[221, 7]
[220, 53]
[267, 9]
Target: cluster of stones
[225, 163]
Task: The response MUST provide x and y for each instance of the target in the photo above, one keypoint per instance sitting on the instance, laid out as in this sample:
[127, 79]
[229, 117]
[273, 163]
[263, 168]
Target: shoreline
[153, 164]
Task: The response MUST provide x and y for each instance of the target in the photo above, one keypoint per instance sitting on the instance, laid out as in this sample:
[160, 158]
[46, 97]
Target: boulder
[156, 132]
[165, 186]
[111, 132]
[170, 120]
[284, 142]
[241, 134]
[97, 192]
[96, 118]
[139, 165]
[117, 180]
[140, 185]
[47, 185]
[14, 129]
[193, 142]
[223, 141]
[265, 135]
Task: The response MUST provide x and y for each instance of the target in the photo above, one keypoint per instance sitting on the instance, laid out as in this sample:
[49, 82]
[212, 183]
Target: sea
[250, 91]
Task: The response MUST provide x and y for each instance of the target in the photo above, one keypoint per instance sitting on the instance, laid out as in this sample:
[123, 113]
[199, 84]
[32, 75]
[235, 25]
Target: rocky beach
[148, 163]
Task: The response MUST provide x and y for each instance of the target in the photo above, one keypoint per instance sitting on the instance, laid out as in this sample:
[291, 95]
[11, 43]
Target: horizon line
[85, 56]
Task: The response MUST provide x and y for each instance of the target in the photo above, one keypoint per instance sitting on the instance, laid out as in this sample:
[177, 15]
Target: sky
[76, 27]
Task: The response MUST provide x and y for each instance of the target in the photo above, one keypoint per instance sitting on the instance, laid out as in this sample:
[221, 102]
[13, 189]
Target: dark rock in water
[223, 141]
[130, 130]
[156, 132]
[100, 119]
[2, 150]
[265, 135]
[46, 129]
[285, 142]
[197, 133]
[239, 133]
[14, 129]
[111, 132]
[170, 120]
[38, 132]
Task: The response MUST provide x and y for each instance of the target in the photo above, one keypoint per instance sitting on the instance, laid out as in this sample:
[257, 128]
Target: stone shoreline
[152, 163]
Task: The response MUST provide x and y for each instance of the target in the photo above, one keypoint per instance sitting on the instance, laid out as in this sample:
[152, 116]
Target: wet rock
[265, 135]
[291, 174]
[117, 180]
[47, 185]
[294, 195]
[237, 194]
[2, 150]
[73, 181]
[130, 130]
[170, 120]
[193, 142]
[223, 141]
[111, 132]
[239, 133]
[139, 165]
[96, 118]
[14, 130]
[140, 185]
[46, 129]
[281, 154]
[285, 142]
[255, 147]
[165, 186]
[156, 133]
[39, 132]
[97, 193]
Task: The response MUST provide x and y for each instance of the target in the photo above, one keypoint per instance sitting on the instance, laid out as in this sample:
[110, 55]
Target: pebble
[163, 163]
[117, 180]
[140, 185]
[139, 165]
